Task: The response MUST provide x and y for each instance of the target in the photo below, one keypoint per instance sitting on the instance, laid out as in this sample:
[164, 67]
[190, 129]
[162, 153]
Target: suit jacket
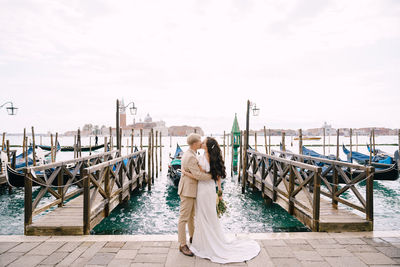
[188, 186]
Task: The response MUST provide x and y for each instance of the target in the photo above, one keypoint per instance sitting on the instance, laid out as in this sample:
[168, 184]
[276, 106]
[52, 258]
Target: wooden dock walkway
[295, 185]
[106, 181]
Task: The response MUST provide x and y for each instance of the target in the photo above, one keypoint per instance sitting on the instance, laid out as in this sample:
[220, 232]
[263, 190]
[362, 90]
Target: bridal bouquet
[221, 205]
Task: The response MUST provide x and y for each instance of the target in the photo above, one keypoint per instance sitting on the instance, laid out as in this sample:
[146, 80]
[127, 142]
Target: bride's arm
[219, 187]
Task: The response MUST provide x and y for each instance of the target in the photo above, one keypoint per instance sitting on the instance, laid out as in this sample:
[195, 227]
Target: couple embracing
[197, 191]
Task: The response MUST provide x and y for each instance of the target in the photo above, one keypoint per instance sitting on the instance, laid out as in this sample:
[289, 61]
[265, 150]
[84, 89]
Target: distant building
[184, 130]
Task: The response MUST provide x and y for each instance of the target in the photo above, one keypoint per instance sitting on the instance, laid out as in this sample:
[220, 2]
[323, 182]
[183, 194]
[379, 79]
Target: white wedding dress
[209, 240]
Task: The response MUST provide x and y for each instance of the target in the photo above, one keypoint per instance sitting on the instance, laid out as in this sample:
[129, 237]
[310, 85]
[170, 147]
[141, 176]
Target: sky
[197, 62]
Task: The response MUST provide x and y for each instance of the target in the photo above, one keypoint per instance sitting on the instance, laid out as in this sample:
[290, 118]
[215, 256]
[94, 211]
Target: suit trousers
[186, 216]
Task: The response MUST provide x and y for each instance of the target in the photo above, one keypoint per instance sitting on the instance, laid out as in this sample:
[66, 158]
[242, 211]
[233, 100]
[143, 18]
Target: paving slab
[345, 262]
[24, 247]
[54, 258]
[8, 257]
[101, 259]
[4, 246]
[282, 262]
[393, 252]
[126, 254]
[307, 256]
[279, 252]
[335, 252]
[374, 258]
[46, 248]
[27, 261]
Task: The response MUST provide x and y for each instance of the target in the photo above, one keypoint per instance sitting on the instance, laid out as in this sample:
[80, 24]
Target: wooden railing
[56, 179]
[109, 183]
[348, 175]
[298, 183]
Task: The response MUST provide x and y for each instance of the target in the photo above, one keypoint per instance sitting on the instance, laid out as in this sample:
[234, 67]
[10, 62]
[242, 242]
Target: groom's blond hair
[193, 138]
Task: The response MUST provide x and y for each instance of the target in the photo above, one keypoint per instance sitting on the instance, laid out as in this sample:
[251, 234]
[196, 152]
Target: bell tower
[122, 114]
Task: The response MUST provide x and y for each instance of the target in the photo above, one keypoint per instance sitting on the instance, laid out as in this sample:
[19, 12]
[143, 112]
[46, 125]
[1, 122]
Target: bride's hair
[217, 164]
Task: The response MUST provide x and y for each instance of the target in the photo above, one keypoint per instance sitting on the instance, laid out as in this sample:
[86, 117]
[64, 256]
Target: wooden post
[132, 136]
[269, 141]
[8, 151]
[127, 146]
[79, 144]
[40, 140]
[90, 145]
[141, 139]
[323, 144]
[274, 180]
[152, 155]
[283, 141]
[170, 141]
[373, 140]
[300, 141]
[60, 182]
[107, 189]
[120, 141]
[33, 147]
[369, 197]
[240, 155]
[111, 140]
[245, 162]
[227, 144]
[255, 140]
[23, 145]
[291, 189]
[224, 145]
[55, 147]
[357, 141]
[160, 152]
[52, 147]
[3, 141]
[370, 148]
[351, 145]
[337, 144]
[26, 151]
[155, 151]
[335, 186]
[75, 148]
[316, 200]
[265, 140]
[149, 163]
[86, 201]
[246, 147]
[27, 200]
[105, 144]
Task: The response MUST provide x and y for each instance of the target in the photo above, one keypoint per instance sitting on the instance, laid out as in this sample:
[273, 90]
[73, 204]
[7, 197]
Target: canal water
[157, 211]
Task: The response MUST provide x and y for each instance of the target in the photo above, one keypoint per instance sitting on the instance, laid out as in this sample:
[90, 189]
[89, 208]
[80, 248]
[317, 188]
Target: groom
[187, 191]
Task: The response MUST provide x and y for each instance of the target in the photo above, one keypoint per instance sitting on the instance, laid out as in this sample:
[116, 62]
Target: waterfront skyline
[197, 63]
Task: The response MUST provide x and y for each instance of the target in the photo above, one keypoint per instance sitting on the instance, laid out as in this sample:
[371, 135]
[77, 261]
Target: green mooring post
[236, 143]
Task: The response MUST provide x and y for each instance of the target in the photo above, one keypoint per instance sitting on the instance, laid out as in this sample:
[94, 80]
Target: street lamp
[133, 111]
[256, 112]
[11, 110]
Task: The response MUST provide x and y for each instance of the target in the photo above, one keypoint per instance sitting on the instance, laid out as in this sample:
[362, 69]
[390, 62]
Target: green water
[157, 212]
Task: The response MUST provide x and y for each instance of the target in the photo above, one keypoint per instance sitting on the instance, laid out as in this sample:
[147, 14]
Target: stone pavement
[277, 249]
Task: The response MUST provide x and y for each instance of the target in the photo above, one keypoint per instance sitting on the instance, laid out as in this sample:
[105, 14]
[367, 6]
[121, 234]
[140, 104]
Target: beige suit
[187, 190]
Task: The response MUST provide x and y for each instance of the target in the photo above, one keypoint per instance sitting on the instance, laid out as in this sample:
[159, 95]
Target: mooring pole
[246, 146]
[283, 141]
[300, 141]
[265, 141]
[323, 144]
[33, 147]
[160, 152]
[337, 144]
[351, 145]
[117, 128]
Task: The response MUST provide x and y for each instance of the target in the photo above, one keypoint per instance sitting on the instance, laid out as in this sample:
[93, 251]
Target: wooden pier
[86, 193]
[294, 181]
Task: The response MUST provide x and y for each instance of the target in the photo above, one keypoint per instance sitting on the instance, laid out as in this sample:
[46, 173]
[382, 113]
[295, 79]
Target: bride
[209, 240]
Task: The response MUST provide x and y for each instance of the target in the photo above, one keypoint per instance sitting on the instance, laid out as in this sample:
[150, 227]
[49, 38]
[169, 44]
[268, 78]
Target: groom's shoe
[186, 251]
[191, 240]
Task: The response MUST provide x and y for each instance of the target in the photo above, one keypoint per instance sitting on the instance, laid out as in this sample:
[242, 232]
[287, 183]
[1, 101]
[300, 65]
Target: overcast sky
[64, 63]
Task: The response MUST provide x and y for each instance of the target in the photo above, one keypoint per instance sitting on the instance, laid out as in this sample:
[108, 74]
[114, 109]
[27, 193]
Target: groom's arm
[195, 170]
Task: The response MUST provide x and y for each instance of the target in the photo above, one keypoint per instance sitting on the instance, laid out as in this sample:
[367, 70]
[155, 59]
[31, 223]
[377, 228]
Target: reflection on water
[157, 212]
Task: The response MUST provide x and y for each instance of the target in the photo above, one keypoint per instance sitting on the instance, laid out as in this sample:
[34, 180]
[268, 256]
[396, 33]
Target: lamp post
[11, 110]
[256, 112]
[133, 111]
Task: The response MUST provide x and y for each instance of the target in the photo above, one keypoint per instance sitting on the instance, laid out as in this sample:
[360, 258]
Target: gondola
[388, 172]
[174, 167]
[71, 148]
[16, 178]
[83, 149]
[364, 159]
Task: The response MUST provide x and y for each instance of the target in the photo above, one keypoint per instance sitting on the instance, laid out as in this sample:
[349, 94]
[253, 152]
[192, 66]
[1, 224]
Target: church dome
[148, 118]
